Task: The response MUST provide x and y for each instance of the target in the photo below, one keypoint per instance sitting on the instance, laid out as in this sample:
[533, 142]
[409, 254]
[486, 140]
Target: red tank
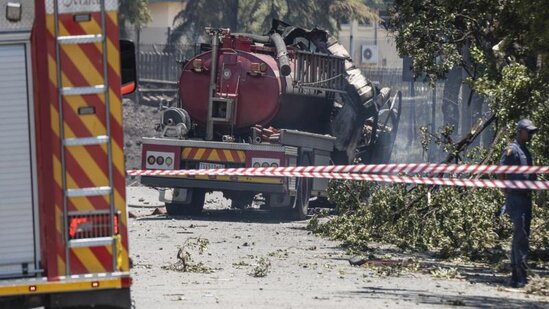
[251, 79]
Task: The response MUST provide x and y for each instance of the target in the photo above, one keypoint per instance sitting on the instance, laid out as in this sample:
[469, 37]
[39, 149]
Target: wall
[387, 55]
[162, 13]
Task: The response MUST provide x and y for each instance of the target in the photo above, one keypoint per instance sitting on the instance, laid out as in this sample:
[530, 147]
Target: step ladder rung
[94, 191]
[86, 141]
[83, 90]
[80, 39]
[90, 242]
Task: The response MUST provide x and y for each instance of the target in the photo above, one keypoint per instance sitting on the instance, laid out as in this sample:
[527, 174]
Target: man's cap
[527, 125]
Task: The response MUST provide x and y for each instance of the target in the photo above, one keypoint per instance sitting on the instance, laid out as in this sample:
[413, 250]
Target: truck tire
[301, 201]
[193, 208]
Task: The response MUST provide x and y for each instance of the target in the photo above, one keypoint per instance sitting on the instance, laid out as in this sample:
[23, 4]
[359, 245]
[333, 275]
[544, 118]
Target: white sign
[265, 162]
[160, 160]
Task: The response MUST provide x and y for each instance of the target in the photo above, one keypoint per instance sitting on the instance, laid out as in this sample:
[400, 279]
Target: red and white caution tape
[407, 168]
[364, 173]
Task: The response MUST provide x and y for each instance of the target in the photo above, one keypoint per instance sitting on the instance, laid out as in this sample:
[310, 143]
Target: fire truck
[63, 234]
[292, 97]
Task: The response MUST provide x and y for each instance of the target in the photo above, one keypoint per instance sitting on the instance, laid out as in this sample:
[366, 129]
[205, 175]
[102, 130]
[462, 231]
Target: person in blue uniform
[518, 202]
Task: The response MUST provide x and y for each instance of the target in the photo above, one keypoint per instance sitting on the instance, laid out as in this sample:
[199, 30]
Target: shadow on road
[250, 215]
[430, 298]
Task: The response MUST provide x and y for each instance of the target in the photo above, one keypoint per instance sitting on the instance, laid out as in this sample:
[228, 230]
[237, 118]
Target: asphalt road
[252, 259]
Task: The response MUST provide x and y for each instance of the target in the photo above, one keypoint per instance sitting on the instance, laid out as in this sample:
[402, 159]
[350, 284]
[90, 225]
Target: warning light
[274, 164]
[169, 161]
[32, 288]
[126, 282]
[116, 225]
[95, 284]
[151, 160]
[93, 225]
[160, 160]
[256, 164]
[75, 222]
[265, 164]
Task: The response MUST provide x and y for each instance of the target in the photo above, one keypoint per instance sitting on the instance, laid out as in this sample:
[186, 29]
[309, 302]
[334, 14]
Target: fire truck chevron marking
[213, 155]
[88, 166]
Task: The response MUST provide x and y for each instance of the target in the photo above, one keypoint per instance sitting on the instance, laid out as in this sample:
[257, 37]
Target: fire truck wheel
[193, 208]
[301, 207]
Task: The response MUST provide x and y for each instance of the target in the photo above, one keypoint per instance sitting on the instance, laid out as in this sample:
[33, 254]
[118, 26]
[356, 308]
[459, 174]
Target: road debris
[262, 268]
[185, 261]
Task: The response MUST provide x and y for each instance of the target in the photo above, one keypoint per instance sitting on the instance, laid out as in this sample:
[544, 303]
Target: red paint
[44, 154]
[257, 97]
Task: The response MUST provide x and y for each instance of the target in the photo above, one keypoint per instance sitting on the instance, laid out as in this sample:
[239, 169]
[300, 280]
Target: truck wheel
[301, 204]
[193, 208]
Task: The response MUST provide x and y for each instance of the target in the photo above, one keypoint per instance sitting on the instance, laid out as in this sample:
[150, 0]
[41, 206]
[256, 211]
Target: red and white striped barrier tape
[407, 168]
[371, 173]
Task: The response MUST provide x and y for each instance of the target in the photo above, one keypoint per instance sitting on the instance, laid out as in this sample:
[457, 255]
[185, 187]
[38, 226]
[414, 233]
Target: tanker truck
[289, 98]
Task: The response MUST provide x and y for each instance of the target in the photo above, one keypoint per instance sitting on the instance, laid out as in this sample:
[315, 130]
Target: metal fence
[422, 106]
[162, 62]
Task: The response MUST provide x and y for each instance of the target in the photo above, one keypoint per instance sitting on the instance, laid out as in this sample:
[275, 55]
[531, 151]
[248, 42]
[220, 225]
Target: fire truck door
[18, 239]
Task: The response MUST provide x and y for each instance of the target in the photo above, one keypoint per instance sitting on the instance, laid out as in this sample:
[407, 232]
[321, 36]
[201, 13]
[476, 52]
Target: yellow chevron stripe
[214, 155]
[120, 204]
[58, 226]
[117, 150]
[199, 153]
[91, 122]
[95, 172]
[242, 156]
[81, 203]
[113, 60]
[93, 125]
[89, 260]
[88, 164]
[228, 155]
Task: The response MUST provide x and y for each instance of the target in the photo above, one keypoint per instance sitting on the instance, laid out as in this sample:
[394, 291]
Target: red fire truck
[63, 234]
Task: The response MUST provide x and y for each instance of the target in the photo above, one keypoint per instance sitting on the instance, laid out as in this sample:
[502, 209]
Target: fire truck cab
[63, 235]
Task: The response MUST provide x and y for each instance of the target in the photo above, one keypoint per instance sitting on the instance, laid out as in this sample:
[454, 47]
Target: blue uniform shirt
[515, 154]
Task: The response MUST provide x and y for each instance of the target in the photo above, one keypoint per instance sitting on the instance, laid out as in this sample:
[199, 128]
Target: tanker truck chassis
[187, 197]
[289, 98]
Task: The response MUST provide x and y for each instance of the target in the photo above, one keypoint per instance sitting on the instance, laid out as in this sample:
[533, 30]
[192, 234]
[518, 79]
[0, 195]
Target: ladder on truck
[99, 239]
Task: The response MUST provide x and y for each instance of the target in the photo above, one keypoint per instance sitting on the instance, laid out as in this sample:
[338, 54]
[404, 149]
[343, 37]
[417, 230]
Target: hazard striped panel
[213, 155]
[84, 138]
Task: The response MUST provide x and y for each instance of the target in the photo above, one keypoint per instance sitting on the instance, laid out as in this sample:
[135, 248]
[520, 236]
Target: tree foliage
[254, 16]
[133, 12]
[503, 46]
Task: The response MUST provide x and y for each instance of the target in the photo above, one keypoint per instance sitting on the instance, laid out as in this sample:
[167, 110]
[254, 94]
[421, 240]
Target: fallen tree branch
[458, 148]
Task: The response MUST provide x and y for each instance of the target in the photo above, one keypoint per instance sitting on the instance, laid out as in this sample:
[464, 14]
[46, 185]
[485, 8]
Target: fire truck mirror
[128, 66]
